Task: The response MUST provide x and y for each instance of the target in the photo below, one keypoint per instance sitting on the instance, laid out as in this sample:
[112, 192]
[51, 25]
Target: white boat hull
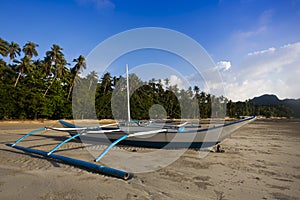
[171, 138]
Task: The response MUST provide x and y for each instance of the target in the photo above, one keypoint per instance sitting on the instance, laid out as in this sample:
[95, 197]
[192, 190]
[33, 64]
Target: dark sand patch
[282, 196]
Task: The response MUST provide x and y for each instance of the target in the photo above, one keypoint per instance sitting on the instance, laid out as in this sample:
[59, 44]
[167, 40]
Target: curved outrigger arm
[127, 136]
[28, 134]
[82, 130]
[44, 129]
[63, 142]
[73, 137]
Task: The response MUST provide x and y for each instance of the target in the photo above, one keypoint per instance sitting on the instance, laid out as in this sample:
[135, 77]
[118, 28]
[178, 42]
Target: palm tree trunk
[91, 82]
[70, 90]
[17, 79]
[49, 86]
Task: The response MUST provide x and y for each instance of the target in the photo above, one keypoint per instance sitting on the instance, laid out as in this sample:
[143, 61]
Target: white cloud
[273, 71]
[210, 80]
[244, 35]
[269, 50]
[175, 80]
[223, 65]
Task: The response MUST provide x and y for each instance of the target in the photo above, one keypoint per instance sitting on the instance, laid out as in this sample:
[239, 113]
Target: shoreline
[102, 121]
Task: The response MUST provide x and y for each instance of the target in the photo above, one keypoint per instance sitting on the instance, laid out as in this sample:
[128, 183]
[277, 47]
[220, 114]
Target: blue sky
[255, 43]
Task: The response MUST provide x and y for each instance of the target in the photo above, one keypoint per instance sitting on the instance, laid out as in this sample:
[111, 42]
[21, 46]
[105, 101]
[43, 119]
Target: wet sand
[261, 161]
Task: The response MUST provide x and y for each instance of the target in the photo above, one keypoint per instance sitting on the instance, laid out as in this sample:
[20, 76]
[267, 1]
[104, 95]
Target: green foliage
[3, 47]
[32, 89]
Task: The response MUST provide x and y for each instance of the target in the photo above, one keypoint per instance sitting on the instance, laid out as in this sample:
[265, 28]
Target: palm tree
[23, 66]
[106, 83]
[196, 89]
[56, 59]
[203, 97]
[92, 77]
[80, 65]
[167, 81]
[56, 63]
[30, 49]
[13, 50]
[115, 81]
[47, 66]
[190, 92]
[4, 47]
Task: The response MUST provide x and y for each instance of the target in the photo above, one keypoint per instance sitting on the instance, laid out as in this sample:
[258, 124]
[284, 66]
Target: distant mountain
[266, 99]
[272, 100]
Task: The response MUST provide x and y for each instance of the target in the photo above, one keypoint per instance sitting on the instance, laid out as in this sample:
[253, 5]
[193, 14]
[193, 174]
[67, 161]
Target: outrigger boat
[155, 136]
[132, 133]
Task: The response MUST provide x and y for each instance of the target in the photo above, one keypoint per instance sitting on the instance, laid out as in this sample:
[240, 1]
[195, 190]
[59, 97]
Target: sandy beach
[261, 161]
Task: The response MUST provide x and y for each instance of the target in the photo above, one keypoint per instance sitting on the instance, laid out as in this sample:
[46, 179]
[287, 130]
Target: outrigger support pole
[62, 143]
[124, 137]
[80, 163]
[28, 134]
[110, 146]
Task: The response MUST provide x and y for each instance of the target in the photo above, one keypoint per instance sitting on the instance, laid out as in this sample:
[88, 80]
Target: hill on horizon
[273, 100]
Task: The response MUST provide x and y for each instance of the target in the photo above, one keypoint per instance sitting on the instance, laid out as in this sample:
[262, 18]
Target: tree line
[33, 88]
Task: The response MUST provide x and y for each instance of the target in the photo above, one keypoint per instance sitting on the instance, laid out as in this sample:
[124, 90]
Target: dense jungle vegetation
[32, 88]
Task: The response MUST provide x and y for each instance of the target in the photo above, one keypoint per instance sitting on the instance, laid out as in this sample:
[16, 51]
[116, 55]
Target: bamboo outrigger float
[75, 162]
[80, 163]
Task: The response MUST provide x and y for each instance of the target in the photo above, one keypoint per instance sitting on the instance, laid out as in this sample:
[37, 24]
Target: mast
[128, 96]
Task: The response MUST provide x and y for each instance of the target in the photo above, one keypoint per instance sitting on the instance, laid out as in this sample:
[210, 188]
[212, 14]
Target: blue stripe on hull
[149, 144]
[67, 124]
[171, 145]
